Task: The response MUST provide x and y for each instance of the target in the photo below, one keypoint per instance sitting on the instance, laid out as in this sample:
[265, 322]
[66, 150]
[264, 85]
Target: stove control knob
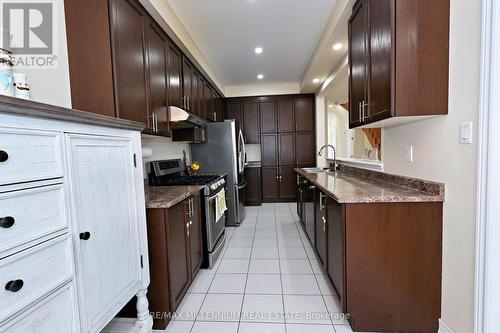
[213, 187]
[222, 181]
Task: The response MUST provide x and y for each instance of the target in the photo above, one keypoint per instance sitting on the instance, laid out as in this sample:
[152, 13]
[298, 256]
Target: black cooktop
[185, 180]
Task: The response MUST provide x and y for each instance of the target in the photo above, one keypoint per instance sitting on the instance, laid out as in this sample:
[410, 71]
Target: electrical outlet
[409, 153]
[466, 133]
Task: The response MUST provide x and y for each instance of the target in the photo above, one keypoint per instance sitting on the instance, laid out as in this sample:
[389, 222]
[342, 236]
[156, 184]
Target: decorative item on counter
[371, 153]
[195, 166]
[6, 80]
[22, 90]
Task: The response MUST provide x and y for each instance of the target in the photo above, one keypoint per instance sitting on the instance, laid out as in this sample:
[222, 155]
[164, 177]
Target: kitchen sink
[316, 170]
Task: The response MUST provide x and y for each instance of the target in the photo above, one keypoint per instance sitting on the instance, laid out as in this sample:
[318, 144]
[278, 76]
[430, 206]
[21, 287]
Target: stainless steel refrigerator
[224, 152]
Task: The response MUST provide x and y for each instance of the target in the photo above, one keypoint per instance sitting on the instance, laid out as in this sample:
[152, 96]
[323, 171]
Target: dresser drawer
[30, 215]
[31, 274]
[55, 314]
[28, 155]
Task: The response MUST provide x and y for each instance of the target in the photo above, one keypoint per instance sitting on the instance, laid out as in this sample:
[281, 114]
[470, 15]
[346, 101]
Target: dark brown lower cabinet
[320, 218]
[253, 195]
[335, 235]
[287, 184]
[384, 261]
[279, 184]
[175, 255]
[270, 189]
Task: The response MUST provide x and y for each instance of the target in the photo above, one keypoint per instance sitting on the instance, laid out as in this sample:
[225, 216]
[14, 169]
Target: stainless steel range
[172, 173]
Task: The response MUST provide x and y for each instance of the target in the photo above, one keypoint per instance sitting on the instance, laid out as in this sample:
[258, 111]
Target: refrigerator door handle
[242, 152]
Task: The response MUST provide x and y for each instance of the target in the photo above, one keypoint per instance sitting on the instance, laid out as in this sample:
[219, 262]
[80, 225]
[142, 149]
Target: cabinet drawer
[40, 269]
[29, 155]
[29, 215]
[56, 314]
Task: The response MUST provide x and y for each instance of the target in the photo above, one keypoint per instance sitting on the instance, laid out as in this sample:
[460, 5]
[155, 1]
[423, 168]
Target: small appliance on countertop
[173, 173]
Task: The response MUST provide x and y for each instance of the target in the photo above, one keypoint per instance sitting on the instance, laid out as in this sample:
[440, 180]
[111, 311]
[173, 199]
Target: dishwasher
[308, 211]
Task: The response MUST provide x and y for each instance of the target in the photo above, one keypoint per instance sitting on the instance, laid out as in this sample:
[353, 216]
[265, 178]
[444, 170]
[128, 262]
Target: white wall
[321, 130]
[439, 156]
[52, 85]
[262, 89]
[164, 149]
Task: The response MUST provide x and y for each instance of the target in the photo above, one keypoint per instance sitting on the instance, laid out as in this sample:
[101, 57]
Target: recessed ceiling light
[337, 46]
[260, 76]
[316, 80]
[258, 50]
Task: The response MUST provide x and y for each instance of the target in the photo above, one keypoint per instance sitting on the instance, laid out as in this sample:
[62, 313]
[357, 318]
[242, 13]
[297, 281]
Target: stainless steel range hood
[186, 126]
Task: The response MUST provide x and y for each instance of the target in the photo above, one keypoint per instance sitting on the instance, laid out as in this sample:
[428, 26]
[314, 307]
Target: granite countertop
[21, 107]
[362, 186]
[168, 196]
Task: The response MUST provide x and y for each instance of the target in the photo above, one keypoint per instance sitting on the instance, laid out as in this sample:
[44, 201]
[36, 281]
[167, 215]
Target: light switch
[409, 153]
[466, 133]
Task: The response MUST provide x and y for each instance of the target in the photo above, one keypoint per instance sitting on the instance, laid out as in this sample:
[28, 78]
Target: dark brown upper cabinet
[128, 22]
[269, 149]
[269, 116]
[157, 67]
[306, 149]
[286, 149]
[234, 110]
[304, 114]
[251, 122]
[358, 62]
[174, 73]
[399, 60]
[286, 116]
[88, 40]
[115, 62]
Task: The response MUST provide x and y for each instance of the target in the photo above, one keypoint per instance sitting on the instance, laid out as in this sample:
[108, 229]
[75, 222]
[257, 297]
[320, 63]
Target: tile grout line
[248, 270]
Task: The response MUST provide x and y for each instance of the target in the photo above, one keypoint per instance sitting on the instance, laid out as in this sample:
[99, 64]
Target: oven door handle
[215, 195]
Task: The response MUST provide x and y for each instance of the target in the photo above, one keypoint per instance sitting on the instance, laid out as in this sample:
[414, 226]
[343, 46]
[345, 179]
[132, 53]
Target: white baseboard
[443, 328]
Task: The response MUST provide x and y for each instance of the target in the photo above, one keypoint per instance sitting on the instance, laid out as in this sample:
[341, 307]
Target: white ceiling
[227, 31]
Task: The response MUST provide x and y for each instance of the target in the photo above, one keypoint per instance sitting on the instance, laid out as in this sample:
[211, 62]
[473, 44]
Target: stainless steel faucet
[320, 153]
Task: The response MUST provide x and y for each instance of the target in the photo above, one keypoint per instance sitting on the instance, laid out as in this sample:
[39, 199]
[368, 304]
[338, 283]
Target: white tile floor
[268, 280]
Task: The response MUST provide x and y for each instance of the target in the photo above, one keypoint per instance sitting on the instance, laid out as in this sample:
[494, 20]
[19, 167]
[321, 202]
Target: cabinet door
[89, 42]
[207, 99]
[358, 62]
[269, 149]
[304, 114]
[127, 30]
[234, 111]
[306, 149]
[251, 122]
[287, 149]
[382, 27]
[103, 186]
[187, 85]
[202, 108]
[179, 271]
[287, 184]
[336, 248]
[270, 188]
[219, 108]
[174, 74]
[269, 116]
[157, 64]
[194, 103]
[320, 217]
[286, 117]
[253, 191]
[159, 287]
[195, 235]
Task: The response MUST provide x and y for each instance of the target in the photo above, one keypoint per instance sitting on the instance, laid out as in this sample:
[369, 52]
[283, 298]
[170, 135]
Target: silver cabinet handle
[365, 113]
[215, 116]
[156, 122]
[321, 198]
[360, 107]
[152, 116]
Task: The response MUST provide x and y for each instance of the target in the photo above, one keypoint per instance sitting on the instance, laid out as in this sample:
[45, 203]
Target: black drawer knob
[7, 222]
[85, 235]
[14, 286]
[3, 156]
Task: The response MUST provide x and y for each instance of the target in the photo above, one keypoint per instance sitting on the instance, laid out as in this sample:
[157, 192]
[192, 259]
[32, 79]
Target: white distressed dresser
[73, 242]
